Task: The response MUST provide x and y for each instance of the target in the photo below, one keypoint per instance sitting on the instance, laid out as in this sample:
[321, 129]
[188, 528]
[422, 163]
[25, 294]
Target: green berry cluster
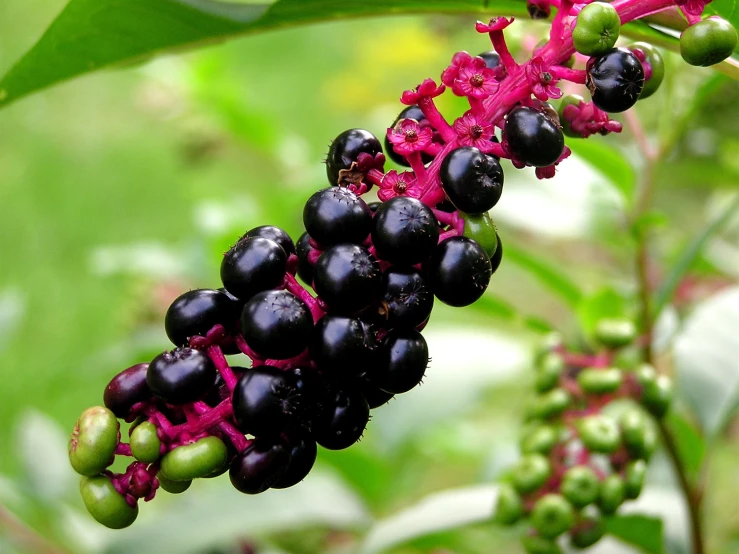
[581, 461]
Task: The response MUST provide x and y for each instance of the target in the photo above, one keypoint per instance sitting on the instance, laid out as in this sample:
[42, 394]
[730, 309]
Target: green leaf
[643, 532]
[92, 34]
[436, 513]
[549, 275]
[728, 9]
[495, 307]
[690, 445]
[690, 255]
[605, 303]
[609, 162]
[707, 360]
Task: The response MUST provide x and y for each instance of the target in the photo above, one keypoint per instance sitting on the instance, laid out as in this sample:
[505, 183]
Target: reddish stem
[437, 121]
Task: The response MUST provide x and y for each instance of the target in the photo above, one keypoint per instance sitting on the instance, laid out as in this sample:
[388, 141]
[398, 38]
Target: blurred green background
[120, 190]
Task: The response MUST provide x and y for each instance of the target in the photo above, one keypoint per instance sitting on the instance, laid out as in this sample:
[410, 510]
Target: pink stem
[499, 43]
[219, 360]
[246, 350]
[296, 288]
[575, 75]
[444, 218]
[414, 158]
[123, 449]
[437, 121]
[374, 176]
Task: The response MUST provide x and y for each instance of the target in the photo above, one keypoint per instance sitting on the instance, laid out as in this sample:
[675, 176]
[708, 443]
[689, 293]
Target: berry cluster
[321, 362]
[582, 455]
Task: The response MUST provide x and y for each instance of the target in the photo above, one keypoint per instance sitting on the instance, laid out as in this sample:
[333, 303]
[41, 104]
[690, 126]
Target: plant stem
[691, 491]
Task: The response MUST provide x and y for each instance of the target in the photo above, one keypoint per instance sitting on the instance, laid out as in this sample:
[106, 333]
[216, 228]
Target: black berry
[342, 346]
[373, 394]
[181, 376]
[348, 278]
[344, 415]
[259, 466]
[615, 80]
[276, 234]
[402, 364]
[492, 59]
[276, 324]
[473, 181]
[266, 401]
[337, 215]
[126, 389]
[405, 231]
[459, 271]
[406, 299]
[345, 149]
[497, 256]
[303, 452]
[196, 312]
[532, 137]
[253, 265]
[305, 268]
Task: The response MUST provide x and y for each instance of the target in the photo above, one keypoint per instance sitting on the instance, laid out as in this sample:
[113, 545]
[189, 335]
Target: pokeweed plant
[348, 339]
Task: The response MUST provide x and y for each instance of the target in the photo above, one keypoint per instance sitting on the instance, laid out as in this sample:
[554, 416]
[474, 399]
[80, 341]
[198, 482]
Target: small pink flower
[398, 184]
[474, 131]
[427, 89]
[496, 24]
[452, 72]
[541, 80]
[408, 136]
[693, 7]
[585, 120]
[475, 79]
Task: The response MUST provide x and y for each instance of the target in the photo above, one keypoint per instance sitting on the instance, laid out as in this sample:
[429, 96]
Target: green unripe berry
[172, 487]
[655, 61]
[534, 544]
[588, 531]
[480, 228]
[540, 440]
[552, 404]
[634, 476]
[638, 434]
[552, 515]
[600, 381]
[615, 332]
[145, 444]
[548, 344]
[596, 29]
[93, 441]
[599, 433]
[509, 507]
[568, 100]
[708, 42]
[105, 503]
[195, 460]
[530, 473]
[612, 494]
[548, 370]
[580, 485]
[657, 396]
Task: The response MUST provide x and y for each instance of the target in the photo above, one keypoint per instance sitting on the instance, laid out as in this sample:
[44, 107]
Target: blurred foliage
[121, 190]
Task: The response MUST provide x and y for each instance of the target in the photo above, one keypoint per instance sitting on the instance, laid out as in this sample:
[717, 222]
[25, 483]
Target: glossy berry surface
[481, 229]
[404, 231]
[459, 271]
[259, 466]
[196, 312]
[656, 63]
[532, 137]
[473, 181]
[336, 215]
[303, 453]
[348, 278]
[253, 265]
[344, 416]
[303, 250]
[615, 80]
[345, 149]
[374, 395]
[342, 346]
[266, 401]
[195, 460]
[93, 441]
[126, 389]
[406, 300]
[497, 257]
[596, 29]
[180, 376]
[492, 59]
[276, 324]
[402, 361]
[708, 42]
[274, 233]
[106, 504]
